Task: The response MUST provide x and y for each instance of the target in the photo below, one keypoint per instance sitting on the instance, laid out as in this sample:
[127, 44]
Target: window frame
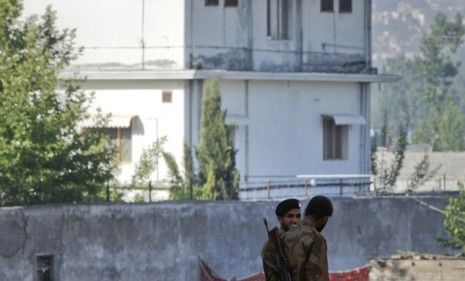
[231, 3]
[335, 140]
[45, 267]
[326, 10]
[211, 3]
[277, 26]
[167, 96]
[348, 8]
[116, 137]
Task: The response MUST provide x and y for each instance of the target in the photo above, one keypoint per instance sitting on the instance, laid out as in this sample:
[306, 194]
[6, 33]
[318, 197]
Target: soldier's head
[288, 213]
[319, 210]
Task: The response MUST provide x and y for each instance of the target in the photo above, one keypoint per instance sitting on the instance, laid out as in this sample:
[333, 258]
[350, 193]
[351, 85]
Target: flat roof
[191, 74]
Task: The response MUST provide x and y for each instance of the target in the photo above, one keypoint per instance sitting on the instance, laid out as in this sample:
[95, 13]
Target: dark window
[277, 19]
[230, 3]
[345, 6]
[327, 5]
[121, 139]
[335, 140]
[167, 97]
[44, 268]
[211, 2]
[268, 17]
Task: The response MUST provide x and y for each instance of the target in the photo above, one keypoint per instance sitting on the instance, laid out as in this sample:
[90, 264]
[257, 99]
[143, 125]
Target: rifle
[284, 267]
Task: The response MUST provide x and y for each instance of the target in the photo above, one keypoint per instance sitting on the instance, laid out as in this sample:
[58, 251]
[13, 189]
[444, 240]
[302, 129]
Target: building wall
[123, 34]
[163, 241]
[334, 39]
[236, 38]
[217, 36]
[156, 119]
[280, 129]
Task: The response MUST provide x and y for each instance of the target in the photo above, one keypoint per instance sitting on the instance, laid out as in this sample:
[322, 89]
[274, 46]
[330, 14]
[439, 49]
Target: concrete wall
[163, 241]
[411, 270]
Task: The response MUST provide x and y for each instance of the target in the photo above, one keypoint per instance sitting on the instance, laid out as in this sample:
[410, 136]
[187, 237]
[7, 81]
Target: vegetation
[186, 186]
[421, 174]
[217, 178]
[426, 100]
[44, 156]
[148, 163]
[215, 152]
[455, 219]
[386, 174]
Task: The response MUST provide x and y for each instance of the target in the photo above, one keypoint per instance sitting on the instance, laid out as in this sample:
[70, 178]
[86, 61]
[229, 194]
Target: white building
[295, 77]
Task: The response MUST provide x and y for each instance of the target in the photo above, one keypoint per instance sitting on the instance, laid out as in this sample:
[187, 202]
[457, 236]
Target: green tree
[424, 99]
[387, 173]
[190, 178]
[187, 186]
[455, 219]
[44, 156]
[437, 70]
[148, 163]
[215, 152]
[422, 173]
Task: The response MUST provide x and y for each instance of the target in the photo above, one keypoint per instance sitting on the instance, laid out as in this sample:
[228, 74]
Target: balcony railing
[305, 186]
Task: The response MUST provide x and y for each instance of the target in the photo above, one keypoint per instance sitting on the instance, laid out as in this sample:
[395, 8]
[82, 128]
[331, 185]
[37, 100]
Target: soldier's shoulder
[309, 235]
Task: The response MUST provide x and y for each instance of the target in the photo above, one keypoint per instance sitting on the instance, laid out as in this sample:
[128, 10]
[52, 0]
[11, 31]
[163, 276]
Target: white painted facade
[275, 90]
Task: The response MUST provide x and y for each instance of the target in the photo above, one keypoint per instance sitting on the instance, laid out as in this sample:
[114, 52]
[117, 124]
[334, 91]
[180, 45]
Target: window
[211, 2]
[345, 6]
[335, 140]
[277, 17]
[230, 3]
[327, 5]
[121, 138]
[44, 267]
[167, 97]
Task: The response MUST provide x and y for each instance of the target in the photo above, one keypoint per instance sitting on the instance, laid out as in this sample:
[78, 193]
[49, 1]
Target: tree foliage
[425, 99]
[44, 156]
[422, 173]
[455, 219]
[187, 186]
[386, 174]
[148, 162]
[215, 152]
[217, 177]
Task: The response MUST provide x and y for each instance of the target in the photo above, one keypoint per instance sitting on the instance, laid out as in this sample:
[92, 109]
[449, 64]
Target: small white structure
[295, 77]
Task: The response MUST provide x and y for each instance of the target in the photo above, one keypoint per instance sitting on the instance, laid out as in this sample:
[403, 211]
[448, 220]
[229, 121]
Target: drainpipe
[250, 35]
[298, 34]
[367, 31]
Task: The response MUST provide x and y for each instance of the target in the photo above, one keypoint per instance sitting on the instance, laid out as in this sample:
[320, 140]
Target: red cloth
[357, 274]
[206, 274]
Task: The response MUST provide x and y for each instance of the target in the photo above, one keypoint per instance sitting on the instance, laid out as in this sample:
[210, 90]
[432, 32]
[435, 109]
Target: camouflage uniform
[306, 251]
[270, 257]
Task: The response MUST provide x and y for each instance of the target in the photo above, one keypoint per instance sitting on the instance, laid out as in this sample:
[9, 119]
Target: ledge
[229, 75]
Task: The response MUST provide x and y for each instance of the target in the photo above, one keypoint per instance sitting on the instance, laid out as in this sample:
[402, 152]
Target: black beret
[286, 205]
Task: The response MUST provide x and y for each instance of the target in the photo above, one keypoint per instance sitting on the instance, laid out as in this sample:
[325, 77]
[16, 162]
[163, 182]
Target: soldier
[304, 245]
[288, 214]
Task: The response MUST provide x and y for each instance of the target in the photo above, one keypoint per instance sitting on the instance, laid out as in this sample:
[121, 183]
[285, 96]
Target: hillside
[398, 25]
